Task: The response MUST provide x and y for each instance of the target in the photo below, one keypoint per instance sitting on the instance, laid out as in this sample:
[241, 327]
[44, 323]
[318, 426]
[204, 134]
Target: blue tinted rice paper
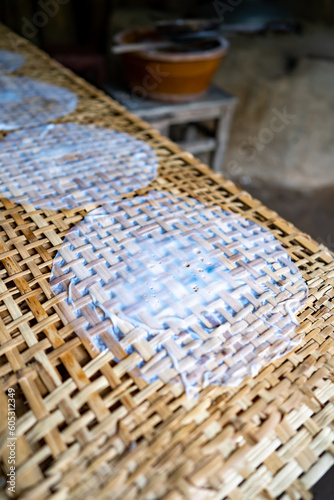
[10, 61]
[70, 165]
[25, 102]
[188, 292]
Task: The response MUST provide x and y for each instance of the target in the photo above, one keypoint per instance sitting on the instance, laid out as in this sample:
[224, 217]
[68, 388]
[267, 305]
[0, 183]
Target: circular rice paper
[25, 102]
[179, 290]
[70, 165]
[10, 61]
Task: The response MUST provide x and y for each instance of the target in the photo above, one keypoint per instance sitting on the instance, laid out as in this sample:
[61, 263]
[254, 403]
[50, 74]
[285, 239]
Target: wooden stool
[216, 106]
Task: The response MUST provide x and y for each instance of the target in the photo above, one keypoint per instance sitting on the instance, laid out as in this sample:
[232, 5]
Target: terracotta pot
[170, 76]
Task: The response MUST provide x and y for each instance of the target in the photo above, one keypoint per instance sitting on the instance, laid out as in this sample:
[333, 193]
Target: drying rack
[85, 429]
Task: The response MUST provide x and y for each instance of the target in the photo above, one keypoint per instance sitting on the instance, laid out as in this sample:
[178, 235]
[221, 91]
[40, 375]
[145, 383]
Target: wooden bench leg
[222, 134]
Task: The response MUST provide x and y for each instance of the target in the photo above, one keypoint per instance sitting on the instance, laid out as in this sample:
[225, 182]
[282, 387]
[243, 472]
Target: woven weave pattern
[86, 429]
[10, 61]
[26, 102]
[70, 165]
[192, 290]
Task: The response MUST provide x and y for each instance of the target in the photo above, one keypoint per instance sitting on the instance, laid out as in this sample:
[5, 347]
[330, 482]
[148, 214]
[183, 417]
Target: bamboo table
[85, 429]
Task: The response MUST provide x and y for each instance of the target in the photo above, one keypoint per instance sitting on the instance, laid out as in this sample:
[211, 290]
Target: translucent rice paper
[25, 102]
[70, 165]
[10, 61]
[182, 289]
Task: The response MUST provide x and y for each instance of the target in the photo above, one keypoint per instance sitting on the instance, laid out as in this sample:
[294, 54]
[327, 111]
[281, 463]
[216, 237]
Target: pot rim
[181, 57]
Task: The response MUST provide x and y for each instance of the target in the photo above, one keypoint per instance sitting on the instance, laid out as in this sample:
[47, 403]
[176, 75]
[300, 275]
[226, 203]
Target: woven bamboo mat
[85, 429]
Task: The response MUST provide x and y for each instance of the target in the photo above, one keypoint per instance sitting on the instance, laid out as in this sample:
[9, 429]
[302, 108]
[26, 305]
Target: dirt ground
[311, 212]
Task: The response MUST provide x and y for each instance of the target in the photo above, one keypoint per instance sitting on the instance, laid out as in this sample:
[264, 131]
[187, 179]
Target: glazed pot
[171, 75]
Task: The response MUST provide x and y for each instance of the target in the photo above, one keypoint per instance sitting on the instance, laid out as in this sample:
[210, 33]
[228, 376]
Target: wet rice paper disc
[10, 61]
[25, 102]
[186, 289]
[70, 165]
